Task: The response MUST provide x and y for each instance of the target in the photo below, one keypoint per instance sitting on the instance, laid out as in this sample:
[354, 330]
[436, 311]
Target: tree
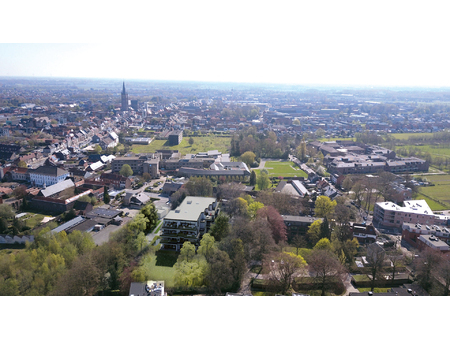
[146, 177]
[397, 260]
[6, 211]
[263, 181]
[151, 216]
[283, 267]
[347, 184]
[229, 191]
[323, 244]
[252, 178]
[20, 191]
[324, 206]
[207, 246]
[187, 252]
[298, 242]
[238, 207]
[126, 170]
[325, 229]
[199, 186]
[325, 268]
[191, 141]
[98, 150]
[220, 227]
[276, 222]
[235, 250]
[188, 274]
[82, 279]
[427, 263]
[219, 274]
[301, 151]
[253, 209]
[348, 249]
[106, 198]
[248, 158]
[375, 258]
[313, 232]
[22, 164]
[342, 215]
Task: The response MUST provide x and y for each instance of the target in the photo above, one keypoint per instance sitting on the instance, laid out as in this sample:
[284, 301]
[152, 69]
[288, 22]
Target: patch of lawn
[33, 220]
[361, 278]
[262, 293]
[159, 272]
[375, 290]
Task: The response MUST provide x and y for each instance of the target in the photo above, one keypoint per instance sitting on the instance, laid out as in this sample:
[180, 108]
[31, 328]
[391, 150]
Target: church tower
[124, 96]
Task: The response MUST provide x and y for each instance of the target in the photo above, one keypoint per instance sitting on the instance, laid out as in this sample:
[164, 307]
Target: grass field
[160, 267]
[405, 136]
[200, 144]
[437, 196]
[33, 220]
[283, 169]
[442, 151]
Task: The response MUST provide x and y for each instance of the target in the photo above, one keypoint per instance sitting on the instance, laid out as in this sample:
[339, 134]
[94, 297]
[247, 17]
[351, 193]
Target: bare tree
[326, 268]
[284, 267]
[425, 265]
[397, 260]
[375, 258]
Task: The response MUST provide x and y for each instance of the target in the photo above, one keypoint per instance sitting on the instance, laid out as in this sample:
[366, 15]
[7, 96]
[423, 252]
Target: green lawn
[283, 169]
[160, 267]
[33, 220]
[375, 290]
[200, 144]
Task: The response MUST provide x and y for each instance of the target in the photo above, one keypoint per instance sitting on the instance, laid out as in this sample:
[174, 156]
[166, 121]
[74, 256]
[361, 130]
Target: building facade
[47, 175]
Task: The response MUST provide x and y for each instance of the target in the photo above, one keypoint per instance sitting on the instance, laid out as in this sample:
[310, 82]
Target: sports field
[283, 169]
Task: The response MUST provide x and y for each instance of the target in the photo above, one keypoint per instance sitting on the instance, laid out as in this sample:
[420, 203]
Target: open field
[283, 169]
[442, 150]
[437, 196]
[206, 143]
[405, 136]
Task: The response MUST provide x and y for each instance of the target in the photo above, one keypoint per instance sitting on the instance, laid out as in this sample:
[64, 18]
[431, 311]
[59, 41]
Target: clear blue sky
[306, 42]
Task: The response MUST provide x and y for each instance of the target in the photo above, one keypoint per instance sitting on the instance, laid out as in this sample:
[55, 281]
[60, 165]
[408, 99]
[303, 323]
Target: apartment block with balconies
[189, 222]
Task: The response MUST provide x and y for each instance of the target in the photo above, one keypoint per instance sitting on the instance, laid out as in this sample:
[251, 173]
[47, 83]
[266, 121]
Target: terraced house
[188, 222]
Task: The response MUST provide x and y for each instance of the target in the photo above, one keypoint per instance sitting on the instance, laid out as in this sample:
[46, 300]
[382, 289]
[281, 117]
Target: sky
[379, 43]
